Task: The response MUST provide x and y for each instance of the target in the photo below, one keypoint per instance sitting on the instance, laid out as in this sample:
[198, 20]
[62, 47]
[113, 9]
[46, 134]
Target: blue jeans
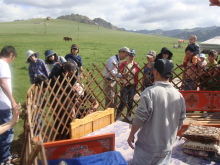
[7, 137]
[189, 85]
[127, 96]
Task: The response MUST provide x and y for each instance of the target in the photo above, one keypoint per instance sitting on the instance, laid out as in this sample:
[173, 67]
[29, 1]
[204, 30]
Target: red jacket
[136, 67]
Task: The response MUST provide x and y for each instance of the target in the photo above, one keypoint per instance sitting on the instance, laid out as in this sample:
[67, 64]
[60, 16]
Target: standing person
[74, 56]
[159, 116]
[51, 58]
[36, 66]
[148, 77]
[190, 78]
[129, 84]
[165, 53]
[202, 58]
[111, 73]
[7, 101]
[210, 70]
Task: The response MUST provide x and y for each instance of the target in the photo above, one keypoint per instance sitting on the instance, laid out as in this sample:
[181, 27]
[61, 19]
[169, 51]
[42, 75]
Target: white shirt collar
[161, 82]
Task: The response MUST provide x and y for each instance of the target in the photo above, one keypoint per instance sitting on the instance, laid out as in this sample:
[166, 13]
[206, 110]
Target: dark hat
[132, 52]
[49, 53]
[167, 51]
[164, 67]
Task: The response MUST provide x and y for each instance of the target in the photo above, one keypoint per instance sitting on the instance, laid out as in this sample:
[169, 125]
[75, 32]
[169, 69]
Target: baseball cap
[164, 67]
[132, 53]
[125, 49]
[151, 54]
[202, 55]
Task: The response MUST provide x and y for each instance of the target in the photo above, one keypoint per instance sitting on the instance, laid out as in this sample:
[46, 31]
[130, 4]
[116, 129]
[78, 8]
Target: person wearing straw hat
[51, 58]
[36, 66]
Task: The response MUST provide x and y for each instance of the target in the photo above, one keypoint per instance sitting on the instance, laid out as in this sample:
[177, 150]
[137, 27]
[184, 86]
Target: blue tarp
[106, 158]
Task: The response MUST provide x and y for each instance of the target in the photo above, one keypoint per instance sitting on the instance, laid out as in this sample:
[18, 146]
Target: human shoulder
[40, 61]
[3, 63]
[112, 59]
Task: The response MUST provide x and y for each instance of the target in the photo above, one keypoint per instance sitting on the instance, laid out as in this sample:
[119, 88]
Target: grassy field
[97, 44]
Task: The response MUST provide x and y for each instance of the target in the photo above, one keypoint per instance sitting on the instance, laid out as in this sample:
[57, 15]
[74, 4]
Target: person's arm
[45, 69]
[141, 115]
[130, 140]
[13, 121]
[182, 114]
[112, 69]
[31, 75]
[7, 92]
[95, 104]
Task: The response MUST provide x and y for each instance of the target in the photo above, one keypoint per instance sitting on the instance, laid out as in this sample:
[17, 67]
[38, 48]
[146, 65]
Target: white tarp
[213, 43]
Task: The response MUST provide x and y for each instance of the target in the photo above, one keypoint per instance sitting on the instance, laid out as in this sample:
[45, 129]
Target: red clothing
[135, 66]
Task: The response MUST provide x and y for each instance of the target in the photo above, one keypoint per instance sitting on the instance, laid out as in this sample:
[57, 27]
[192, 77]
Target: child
[212, 58]
[148, 77]
[202, 58]
[51, 58]
[210, 69]
[195, 47]
[74, 56]
[36, 66]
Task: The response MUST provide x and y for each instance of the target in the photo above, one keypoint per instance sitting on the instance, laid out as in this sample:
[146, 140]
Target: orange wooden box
[74, 148]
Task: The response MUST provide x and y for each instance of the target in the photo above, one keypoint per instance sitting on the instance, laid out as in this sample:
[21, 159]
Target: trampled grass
[97, 44]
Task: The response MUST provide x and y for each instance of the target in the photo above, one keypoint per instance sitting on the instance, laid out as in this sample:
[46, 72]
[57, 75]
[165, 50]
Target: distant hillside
[84, 19]
[202, 33]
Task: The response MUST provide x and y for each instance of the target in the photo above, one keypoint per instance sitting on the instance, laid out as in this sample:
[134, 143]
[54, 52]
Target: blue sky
[128, 14]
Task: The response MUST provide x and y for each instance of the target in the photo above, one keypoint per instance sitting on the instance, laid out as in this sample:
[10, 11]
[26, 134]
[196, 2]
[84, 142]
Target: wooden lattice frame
[44, 105]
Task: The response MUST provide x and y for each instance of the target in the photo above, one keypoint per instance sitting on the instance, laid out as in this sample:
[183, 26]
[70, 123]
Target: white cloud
[129, 14]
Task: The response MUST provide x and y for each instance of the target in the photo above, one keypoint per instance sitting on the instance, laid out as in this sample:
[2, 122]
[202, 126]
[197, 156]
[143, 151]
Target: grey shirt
[160, 115]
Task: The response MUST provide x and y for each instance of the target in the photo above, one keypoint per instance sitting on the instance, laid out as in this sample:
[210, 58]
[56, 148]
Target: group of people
[40, 67]
[198, 71]
[161, 109]
[53, 67]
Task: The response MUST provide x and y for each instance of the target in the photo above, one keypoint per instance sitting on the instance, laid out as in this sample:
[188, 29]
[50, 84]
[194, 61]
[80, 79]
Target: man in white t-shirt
[111, 73]
[7, 102]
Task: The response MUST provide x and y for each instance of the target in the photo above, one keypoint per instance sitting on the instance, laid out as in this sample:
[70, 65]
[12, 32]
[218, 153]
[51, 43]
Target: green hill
[97, 44]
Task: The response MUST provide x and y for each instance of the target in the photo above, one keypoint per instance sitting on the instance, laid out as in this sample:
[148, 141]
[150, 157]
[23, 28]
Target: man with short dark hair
[159, 116]
[111, 73]
[7, 101]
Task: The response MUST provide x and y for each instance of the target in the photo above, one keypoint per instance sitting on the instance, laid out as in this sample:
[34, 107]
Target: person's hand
[17, 111]
[130, 141]
[73, 112]
[14, 105]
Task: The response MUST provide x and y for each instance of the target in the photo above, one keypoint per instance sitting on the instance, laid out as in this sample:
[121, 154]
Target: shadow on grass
[16, 146]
